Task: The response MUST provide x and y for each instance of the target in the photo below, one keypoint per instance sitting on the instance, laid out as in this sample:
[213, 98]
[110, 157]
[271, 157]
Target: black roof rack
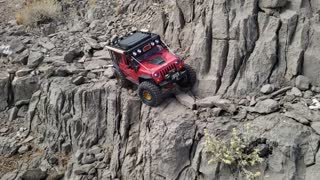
[133, 41]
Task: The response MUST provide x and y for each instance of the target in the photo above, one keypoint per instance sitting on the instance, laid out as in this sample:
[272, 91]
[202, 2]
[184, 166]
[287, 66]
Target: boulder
[267, 106]
[315, 89]
[47, 44]
[215, 112]
[186, 100]
[217, 101]
[21, 58]
[16, 46]
[308, 94]
[72, 55]
[84, 169]
[4, 130]
[302, 111]
[102, 54]
[88, 159]
[28, 139]
[109, 73]
[34, 59]
[295, 92]
[23, 149]
[302, 83]
[94, 150]
[272, 3]
[92, 42]
[36, 174]
[296, 117]
[13, 113]
[24, 87]
[267, 89]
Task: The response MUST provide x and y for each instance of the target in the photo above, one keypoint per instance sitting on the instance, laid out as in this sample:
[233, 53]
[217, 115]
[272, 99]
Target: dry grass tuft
[92, 3]
[37, 12]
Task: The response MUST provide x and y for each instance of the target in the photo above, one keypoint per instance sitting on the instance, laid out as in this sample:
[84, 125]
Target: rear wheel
[190, 79]
[150, 93]
[122, 80]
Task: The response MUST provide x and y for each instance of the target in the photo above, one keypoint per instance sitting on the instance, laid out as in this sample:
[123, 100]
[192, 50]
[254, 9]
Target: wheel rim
[146, 95]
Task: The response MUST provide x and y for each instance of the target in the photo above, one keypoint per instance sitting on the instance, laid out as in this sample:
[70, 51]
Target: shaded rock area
[64, 116]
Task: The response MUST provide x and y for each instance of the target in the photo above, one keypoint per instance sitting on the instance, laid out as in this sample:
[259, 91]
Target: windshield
[150, 53]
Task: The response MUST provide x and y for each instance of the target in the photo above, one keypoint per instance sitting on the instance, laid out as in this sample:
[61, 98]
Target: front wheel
[150, 94]
[190, 78]
[122, 80]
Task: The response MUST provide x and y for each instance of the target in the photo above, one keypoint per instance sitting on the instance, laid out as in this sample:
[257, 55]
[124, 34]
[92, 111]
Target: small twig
[280, 91]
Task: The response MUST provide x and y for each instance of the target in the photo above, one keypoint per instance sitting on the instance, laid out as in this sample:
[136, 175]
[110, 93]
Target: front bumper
[173, 77]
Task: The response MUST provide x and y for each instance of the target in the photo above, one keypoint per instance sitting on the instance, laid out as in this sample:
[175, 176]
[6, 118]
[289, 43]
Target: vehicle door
[132, 68]
[127, 67]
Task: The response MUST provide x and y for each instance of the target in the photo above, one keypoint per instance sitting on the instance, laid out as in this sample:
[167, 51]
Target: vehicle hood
[159, 60]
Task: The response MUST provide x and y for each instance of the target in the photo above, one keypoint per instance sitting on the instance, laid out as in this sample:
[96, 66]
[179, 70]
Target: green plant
[38, 11]
[234, 152]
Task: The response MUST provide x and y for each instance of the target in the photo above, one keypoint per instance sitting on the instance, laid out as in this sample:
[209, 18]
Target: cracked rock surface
[64, 116]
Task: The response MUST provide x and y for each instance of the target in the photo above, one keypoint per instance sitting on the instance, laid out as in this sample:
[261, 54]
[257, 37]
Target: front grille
[166, 70]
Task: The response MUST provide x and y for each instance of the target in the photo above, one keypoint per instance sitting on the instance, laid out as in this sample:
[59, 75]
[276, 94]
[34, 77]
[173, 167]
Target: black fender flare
[145, 78]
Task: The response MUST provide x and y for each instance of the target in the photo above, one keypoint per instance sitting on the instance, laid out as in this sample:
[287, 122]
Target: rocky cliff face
[98, 131]
[237, 46]
[63, 116]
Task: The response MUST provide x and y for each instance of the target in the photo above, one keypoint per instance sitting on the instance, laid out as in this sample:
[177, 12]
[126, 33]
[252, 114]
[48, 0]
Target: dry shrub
[92, 3]
[234, 152]
[37, 12]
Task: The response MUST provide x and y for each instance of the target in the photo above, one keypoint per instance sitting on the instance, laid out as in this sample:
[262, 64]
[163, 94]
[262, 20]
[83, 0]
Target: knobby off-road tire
[190, 79]
[122, 80]
[150, 94]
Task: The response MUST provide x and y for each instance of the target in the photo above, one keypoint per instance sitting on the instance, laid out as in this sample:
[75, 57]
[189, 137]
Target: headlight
[139, 51]
[157, 41]
[156, 75]
[152, 43]
[177, 62]
[134, 54]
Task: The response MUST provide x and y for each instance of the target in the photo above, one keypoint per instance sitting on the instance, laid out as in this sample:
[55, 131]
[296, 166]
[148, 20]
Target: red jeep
[143, 59]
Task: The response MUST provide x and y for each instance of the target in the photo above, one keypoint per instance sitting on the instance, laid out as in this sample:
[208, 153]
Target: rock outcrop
[238, 46]
[63, 116]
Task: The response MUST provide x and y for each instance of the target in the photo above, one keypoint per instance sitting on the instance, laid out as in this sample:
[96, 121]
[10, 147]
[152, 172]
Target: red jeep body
[141, 57]
[149, 69]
